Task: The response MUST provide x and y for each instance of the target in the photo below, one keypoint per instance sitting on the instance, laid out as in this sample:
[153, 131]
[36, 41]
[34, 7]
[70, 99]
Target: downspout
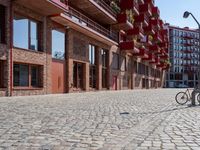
[11, 48]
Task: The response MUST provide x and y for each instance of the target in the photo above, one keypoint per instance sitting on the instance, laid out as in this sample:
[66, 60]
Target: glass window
[24, 73]
[2, 24]
[25, 33]
[21, 75]
[34, 76]
[92, 54]
[58, 45]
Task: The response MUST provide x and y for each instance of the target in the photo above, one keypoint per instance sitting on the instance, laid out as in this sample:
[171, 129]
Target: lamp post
[186, 15]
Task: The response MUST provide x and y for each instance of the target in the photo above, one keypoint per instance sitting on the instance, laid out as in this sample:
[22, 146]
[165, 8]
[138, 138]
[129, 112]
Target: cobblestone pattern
[99, 121]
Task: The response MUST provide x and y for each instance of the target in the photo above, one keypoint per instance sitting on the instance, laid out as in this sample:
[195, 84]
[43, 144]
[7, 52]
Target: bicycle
[183, 97]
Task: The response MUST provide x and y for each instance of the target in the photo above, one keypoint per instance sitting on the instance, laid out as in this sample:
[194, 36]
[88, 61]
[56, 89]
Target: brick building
[60, 46]
[184, 57]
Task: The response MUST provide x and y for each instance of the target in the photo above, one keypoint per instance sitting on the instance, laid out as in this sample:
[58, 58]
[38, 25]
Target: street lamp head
[186, 14]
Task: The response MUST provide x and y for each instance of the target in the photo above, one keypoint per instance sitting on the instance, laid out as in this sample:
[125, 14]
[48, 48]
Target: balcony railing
[85, 21]
[105, 6]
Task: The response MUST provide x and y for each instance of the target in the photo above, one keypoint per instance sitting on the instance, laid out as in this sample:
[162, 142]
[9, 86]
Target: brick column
[99, 68]
[86, 76]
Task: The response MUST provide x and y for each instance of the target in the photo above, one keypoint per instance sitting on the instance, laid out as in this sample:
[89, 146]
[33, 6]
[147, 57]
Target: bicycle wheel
[181, 98]
[198, 98]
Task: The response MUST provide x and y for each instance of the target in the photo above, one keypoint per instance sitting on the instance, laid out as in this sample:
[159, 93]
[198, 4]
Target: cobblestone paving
[122, 120]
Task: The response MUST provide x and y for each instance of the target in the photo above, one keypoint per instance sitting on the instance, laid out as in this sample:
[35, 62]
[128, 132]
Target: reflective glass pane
[58, 45]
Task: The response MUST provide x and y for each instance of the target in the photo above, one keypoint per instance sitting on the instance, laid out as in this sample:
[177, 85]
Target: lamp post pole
[186, 15]
[196, 90]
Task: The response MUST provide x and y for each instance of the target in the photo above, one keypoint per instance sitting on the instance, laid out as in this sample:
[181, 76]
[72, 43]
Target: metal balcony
[142, 53]
[155, 12]
[97, 9]
[76, 20]
[123, 22]
[149, 30]
[130, 47]
[129, 5]
[142, 18]
[151, 58]
[136, 31]
[145, 9]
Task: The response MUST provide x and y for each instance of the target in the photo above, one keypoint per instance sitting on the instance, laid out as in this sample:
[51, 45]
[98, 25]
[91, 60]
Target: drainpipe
[11, 48]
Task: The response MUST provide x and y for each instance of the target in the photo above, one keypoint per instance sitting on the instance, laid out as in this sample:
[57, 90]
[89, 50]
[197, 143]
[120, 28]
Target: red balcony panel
[161, 23]
[136, 31]
[164, 56]
[155, 23]
[151, 58]
[123, 23]
[142, 18]
[129, 47]
[149, 30]
[129, 5]
[154, 48]
[161, 65]
[157, 37]
[142, 53]
[155, 12]
[145, 9]
[162, 44]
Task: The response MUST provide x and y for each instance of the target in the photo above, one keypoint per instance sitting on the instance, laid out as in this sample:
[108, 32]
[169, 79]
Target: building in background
[60, 46]
[184, 55]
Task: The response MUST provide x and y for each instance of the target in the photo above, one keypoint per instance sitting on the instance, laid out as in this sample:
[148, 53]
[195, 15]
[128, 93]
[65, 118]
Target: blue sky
[172, 11]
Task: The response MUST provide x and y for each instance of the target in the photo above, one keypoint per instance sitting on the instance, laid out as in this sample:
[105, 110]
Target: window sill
[28, 88]
[29, 50]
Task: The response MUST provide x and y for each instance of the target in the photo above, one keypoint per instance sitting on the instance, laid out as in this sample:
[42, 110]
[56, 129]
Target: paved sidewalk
[127, 120]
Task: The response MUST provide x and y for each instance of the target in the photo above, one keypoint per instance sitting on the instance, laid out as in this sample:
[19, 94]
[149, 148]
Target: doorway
[78, 75]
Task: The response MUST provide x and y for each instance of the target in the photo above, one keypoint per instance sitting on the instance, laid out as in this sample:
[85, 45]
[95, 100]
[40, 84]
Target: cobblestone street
[128, 120]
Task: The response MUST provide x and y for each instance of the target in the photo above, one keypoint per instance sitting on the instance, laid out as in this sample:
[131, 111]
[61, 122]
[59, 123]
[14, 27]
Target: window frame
[40, 83]
[1, 74]
[93, 66]
[38, 33]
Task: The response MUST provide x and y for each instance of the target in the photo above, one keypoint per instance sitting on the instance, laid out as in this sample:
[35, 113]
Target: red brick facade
[59, 76]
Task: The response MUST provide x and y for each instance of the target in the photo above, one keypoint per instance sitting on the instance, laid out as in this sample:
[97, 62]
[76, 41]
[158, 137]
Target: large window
[104, 55]
[58, 44]
[2, 24]
[25, 33]
[92, 51]
[27, 75]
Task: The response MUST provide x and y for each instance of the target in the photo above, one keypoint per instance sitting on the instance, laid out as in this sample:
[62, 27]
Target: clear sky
[172, 12]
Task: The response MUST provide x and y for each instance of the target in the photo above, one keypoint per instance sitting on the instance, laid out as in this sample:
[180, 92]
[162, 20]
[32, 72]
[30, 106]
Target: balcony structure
[130, 47]
[142, 53]
[155, 12]
[157, 37]
[149, 30]
[145, 8]
[45, 7]
[98, 9]
[142, 18]
[76, 20]
[150, 58]
[154, 49]
[155, 23]
[123, 22]
[156, 61]
[136, 31]
[129, 5]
